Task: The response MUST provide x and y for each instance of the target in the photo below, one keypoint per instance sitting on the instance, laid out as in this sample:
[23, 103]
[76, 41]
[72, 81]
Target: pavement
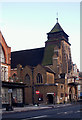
[34, 107]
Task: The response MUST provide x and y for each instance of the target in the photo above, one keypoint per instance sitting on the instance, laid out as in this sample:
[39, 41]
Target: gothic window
[27, 79]
[39, 78]
[62, 95]
[61, 86]
[2, 55]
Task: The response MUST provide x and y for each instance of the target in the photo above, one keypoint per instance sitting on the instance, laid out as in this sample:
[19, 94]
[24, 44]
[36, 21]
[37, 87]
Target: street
[66, 112]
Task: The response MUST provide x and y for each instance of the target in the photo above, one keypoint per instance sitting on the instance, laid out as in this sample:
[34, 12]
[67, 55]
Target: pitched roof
[56, 28]
[30, 57]
[49, 69]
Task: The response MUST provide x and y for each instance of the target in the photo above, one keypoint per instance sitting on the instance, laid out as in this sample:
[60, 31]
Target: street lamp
[9, 107]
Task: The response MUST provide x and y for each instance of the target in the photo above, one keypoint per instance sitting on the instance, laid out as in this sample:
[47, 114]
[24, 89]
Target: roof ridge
[49, 68]
[27, 49]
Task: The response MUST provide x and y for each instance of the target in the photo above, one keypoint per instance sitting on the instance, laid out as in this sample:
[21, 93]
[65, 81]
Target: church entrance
[50, 98]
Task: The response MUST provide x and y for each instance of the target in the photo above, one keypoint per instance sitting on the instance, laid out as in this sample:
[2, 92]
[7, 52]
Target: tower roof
[56, 28]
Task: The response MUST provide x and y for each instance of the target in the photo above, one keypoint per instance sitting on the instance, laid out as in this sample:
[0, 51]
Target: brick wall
[7, 52]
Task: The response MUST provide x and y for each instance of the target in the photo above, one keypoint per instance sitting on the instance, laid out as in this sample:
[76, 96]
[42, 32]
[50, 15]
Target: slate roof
[49, 70]
[56, 28]
[31, 57]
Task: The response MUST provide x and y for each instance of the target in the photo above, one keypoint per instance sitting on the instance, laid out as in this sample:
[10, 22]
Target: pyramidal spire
[56, 28]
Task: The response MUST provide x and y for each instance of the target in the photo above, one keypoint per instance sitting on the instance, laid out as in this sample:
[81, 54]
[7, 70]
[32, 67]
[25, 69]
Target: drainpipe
[32, 86]
[56, 92]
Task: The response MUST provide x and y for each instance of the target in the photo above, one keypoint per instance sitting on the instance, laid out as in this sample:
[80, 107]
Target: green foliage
[10, 78]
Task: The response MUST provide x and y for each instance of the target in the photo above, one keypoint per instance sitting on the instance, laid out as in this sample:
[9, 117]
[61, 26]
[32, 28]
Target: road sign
[9, 90]
[54, 93]
[37, 92]
[65, 94]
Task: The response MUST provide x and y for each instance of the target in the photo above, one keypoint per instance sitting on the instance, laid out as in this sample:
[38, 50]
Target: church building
[47, 72]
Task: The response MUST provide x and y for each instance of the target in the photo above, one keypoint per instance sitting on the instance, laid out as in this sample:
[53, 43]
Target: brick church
[46, 70]
[45, 75]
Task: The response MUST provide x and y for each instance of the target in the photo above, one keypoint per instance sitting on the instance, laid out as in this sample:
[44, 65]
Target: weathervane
[57, 17]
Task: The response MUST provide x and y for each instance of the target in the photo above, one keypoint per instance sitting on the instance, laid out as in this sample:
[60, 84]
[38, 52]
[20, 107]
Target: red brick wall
[7, 51]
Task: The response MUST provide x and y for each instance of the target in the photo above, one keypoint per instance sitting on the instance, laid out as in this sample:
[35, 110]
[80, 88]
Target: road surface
[67, 112]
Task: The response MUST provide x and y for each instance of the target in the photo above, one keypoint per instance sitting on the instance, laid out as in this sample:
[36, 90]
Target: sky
[25, 25]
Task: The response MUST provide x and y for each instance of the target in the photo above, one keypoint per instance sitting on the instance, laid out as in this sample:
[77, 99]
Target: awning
[12, 85]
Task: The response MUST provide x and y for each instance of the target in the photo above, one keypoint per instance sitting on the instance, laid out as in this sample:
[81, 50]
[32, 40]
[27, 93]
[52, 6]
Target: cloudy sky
[24, 24]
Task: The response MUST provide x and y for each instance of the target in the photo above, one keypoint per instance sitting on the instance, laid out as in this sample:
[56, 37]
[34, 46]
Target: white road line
[67, 112]
[77, 111]
[60, 113]
[35, 117]
[58, 106]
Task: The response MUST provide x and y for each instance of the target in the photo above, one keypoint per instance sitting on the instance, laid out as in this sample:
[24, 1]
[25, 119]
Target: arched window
[39, 78]
[27, 79]
[2, 54]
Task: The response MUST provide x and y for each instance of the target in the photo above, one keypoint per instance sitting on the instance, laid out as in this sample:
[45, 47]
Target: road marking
[65, 112]
[35, 117]
[60, 113]
[58, 106]
[68, 112]
[77, 111]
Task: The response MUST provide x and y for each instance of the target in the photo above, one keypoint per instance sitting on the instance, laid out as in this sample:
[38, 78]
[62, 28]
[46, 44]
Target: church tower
[57, 52]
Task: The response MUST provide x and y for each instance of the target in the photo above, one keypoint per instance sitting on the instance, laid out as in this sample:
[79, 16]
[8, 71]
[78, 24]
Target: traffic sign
[9, 90]
[54, 94]
[65, 94]
[37, 92]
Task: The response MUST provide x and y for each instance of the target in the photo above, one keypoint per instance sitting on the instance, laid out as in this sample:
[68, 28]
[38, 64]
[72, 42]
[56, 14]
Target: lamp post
[9, 107]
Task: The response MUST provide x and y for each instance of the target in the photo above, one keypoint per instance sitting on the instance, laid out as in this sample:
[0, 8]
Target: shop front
[12, 94]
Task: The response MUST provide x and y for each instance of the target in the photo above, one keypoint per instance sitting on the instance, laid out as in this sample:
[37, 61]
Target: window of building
[5, 99]
[4, 73]
[2, 54]
[61, 86]
[19, 95]
[27, 79]
[62, 94]
[39, 78]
